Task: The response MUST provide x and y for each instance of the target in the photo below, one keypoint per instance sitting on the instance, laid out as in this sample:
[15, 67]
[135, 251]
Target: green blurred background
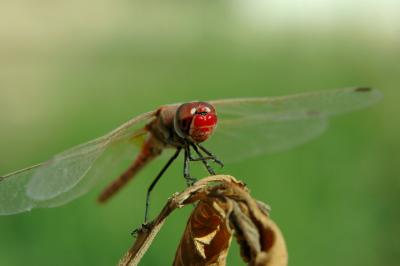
[73, 70]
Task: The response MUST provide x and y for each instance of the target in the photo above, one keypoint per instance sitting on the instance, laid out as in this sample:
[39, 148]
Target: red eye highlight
[204, 121]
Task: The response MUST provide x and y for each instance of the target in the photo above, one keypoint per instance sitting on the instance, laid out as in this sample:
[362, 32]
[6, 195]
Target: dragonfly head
[195, 121]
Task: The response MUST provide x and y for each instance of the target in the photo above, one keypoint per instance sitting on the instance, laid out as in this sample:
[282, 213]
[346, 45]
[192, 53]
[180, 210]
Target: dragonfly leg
[186, 173]
[216, 160]
[198, 159]
[203, 159]
[152, 185]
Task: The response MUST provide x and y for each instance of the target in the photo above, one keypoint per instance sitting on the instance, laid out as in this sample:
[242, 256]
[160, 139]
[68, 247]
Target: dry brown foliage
[224, 209]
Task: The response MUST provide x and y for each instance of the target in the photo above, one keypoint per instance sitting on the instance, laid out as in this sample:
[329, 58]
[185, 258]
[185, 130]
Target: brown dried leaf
[206, 239]
[224, 208]
[145, 235]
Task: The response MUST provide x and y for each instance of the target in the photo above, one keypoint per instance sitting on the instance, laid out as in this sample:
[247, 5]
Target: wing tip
[374, 94]
[8, 212]
[367, 89]
[363, 89]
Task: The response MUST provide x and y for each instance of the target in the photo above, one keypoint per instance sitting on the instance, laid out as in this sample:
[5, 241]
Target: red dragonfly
[240, 128]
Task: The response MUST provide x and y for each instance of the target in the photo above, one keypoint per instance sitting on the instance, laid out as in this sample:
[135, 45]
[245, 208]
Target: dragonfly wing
[255, 126]
[113, 161]
[23, 190]
[70, 173]
[268, 137]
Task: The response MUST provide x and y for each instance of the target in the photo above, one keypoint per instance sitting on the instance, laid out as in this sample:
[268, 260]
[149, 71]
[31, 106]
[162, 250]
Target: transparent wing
[254, 126]
[72, 173]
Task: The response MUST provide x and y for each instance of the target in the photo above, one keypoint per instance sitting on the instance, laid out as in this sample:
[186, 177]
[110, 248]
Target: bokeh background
[73, 70]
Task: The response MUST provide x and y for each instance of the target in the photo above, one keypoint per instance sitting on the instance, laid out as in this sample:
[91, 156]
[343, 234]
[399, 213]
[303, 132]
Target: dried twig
[224, 208]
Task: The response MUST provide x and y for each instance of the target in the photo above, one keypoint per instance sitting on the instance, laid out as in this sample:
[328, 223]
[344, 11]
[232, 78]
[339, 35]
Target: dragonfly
[236, 129]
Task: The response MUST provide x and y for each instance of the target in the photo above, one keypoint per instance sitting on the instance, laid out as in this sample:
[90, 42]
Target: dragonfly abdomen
[150, 150]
